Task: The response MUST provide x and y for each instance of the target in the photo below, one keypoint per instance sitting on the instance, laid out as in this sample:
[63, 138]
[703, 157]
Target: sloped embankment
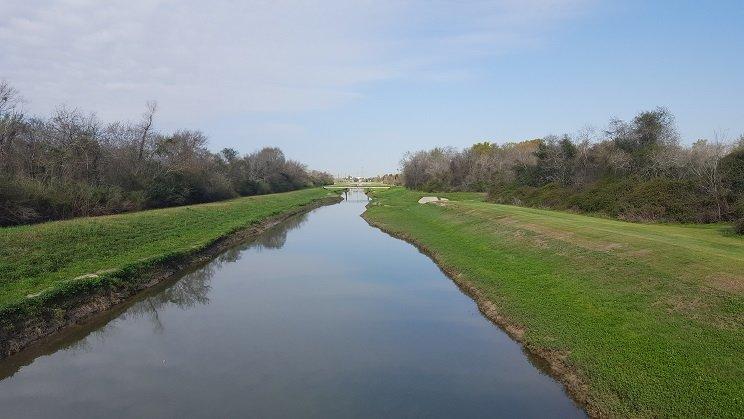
[56, 274]
[635, 319]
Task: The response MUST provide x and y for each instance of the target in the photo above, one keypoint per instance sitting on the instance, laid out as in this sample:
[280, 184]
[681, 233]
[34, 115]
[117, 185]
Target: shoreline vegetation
[636, 320]
[58, 273]
[73, 165]
[638, 170]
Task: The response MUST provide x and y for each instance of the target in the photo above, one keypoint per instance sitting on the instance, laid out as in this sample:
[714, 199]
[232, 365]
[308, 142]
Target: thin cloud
[200, 59]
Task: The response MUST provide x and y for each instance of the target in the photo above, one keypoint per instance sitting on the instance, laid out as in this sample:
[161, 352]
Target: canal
[321, 316]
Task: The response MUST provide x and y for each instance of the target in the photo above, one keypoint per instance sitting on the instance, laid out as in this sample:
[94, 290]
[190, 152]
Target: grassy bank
[648, 320]
[45, 263]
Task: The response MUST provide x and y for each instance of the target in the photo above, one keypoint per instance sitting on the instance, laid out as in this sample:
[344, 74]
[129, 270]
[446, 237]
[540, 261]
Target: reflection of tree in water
[193, 288]
[190, 290]
[273, 238]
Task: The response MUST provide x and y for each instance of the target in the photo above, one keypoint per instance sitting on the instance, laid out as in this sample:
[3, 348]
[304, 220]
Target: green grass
[45, 259]
[651, 316]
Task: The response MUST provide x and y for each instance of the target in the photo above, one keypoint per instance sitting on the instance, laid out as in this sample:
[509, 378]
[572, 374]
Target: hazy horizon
[349, 88]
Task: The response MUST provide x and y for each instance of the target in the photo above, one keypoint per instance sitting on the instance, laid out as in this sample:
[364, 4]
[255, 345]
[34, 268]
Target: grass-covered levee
[49, 270]
[641, 320]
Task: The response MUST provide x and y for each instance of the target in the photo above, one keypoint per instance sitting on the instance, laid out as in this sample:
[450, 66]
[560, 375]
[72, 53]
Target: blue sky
[350, 86]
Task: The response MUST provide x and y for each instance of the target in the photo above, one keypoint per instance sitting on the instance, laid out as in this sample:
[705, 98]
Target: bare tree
[10, 99]
[70, 164]
[10, 117]
[146, 127]
[703, 161]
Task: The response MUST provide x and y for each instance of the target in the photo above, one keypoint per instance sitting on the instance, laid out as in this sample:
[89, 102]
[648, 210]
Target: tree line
[633, 170]
[71, 164]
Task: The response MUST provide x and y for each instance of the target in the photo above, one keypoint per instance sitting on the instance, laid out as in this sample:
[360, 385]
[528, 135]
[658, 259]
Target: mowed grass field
[38, 260]
[650, 317]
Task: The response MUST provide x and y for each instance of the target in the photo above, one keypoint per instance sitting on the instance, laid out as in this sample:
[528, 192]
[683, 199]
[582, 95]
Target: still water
[321, 316]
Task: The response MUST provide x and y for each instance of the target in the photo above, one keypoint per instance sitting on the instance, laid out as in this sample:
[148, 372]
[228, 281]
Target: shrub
[263, 187]
[168, 190]
[663, 199]
[71, 165]
[657, 199]
[739, 226]
[24, 201]
[732, 170]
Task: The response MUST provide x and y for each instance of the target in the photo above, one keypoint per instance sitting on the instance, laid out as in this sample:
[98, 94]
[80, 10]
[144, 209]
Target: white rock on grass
[427, 199]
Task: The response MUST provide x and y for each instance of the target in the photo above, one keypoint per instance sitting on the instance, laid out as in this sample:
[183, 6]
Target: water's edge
[553, 362]
[35, 330]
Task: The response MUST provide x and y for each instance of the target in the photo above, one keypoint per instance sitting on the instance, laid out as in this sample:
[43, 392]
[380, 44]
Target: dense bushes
[732, 170]
[739, 226]
[629, 199]
[28, 200]
[638, 172]
[71, 165]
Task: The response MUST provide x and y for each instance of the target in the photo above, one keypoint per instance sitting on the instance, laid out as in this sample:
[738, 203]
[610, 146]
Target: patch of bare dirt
[726, 282]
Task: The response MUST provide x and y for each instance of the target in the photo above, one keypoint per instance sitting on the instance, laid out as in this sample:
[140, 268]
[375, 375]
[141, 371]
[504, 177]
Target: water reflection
[355, 196]
[273, 238]
[311, 323]
[193, 288]
[188, 290]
